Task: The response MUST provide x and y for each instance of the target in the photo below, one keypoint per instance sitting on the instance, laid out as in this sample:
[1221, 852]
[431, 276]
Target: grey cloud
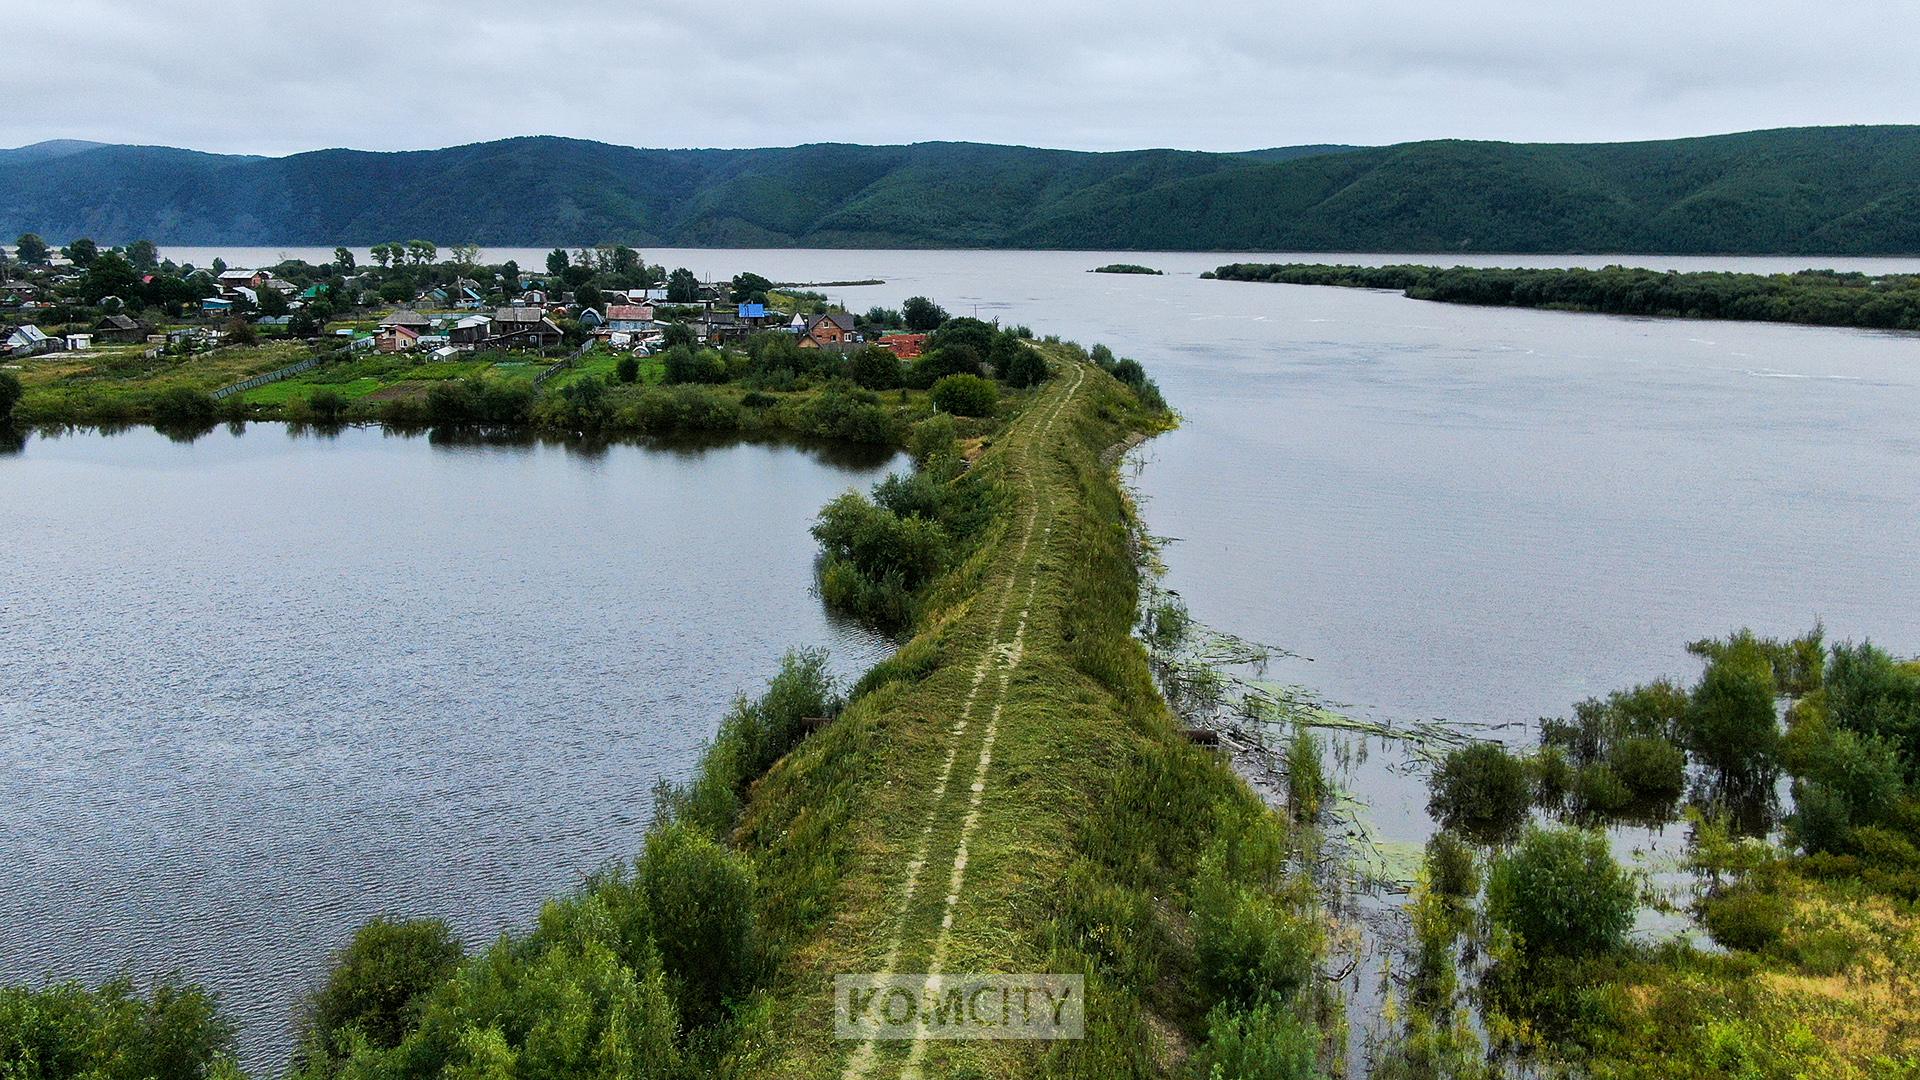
[283, 77]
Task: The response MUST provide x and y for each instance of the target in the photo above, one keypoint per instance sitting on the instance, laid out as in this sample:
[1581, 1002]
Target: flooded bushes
[876, 559]
[1481, 791]
[1560, 893]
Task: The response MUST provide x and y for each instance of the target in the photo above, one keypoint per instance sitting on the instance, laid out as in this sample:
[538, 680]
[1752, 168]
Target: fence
[287, 372]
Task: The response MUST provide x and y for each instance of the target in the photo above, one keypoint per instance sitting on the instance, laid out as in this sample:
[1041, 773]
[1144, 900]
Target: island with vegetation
[1813, 297]
[1123, 268]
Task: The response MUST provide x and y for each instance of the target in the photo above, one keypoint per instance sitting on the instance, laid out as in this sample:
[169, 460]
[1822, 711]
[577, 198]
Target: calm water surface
[1477, 514]
[262, 687]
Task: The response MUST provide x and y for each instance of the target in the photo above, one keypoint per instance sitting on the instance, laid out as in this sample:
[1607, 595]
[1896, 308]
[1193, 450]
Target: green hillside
[1853, 190]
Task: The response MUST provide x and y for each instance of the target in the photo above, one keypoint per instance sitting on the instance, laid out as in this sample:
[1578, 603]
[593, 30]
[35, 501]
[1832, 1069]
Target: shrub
[842, 412]
[1306, 781]
[1266, 1042]
[932, 436]
[378, 986]
[1744, 918]
[1451, 868]
[1561, 893]
[1598, 793]
[1021, 366]
[452, 401]
[936, 364]
[10, 393]
[965, 395]
[326, 406]
[182, 406]
[114, 1032]
[684, 365]
[627, 369]
[702, 900]
[1653, 769]
[1248, 944]
[1481, 791]
[874, 368]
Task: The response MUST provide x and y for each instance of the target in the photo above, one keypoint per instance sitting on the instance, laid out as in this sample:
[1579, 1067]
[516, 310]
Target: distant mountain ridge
[1840, 190]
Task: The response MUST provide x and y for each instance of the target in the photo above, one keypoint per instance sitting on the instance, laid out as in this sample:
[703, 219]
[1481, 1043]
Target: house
[396, 339]
[630, 318]
[470, 331]
[408, 318]
[434, 297]
[28, 340]
[518, 318]
[591, 318]
[721, 326]
[230, 280]
[281, 286]
[541, 335]
[19, 291]
[120, 328]
[754, 315]
[249, 295]
[214, 305]
[522, 327]
[904, 346]
[834, 330]
[313, 292]
[797, 325]
[532, 298]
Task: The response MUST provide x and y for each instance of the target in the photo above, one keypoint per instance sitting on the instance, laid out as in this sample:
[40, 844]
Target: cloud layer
[279, 77]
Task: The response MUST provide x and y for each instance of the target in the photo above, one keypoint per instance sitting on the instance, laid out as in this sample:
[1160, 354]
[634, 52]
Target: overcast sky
[273, 77]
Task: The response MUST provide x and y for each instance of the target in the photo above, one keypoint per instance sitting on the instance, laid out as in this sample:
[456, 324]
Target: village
[50, 302]
[601, 344]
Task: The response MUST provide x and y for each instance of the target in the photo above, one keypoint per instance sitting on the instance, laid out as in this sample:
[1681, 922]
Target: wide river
[261, 687]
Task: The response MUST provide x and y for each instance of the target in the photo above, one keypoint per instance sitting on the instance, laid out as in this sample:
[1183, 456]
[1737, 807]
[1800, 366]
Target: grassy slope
[960, 791]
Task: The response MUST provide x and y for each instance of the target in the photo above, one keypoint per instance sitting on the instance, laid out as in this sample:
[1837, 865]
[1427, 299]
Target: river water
[1480, 515]
[259, 688]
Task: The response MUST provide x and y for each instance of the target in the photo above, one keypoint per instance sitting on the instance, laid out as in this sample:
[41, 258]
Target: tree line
[1813, 297]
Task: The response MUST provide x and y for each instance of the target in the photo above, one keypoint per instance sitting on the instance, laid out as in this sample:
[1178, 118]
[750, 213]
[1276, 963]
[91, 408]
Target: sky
[274, 77]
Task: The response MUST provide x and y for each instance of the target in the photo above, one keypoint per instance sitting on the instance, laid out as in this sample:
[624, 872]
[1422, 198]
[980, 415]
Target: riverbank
[1810, 297]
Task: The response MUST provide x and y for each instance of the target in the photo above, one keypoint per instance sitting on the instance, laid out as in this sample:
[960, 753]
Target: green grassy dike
[1015, 770]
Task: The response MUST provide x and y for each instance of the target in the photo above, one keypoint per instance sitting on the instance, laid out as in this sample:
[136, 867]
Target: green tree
[272, 302]
[745, 288]
[922, 315]
[82, 251]
[30, 249]
[143, 255]
[1561, 893]
[343, 260]
[557, 262]
[109, 275]
[682, 287]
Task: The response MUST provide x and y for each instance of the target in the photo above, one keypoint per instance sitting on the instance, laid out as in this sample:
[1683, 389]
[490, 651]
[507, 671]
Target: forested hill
[1796, 191]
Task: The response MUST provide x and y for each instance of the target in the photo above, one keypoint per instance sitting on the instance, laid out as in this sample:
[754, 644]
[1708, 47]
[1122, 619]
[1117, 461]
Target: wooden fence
[287, 372]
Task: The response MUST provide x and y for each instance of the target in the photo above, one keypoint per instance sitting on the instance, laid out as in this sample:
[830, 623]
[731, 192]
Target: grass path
[999, 657]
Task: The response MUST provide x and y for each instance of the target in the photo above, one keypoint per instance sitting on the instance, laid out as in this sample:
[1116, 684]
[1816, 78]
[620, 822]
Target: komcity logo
[955, 1006]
